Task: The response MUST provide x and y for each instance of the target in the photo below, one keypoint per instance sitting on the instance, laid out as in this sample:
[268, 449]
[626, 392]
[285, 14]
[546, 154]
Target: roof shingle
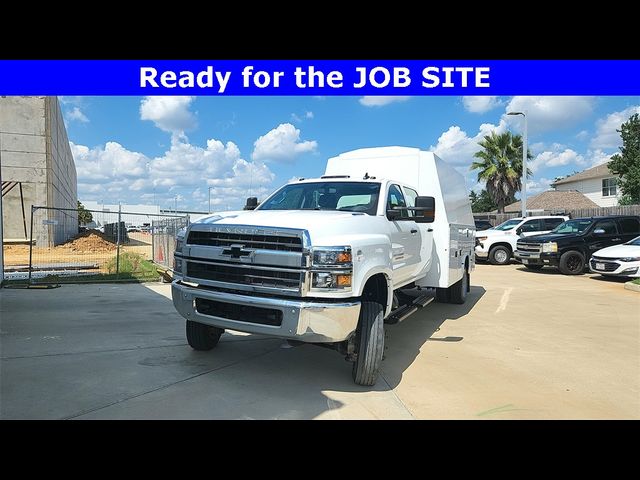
[594, 172]
[553, 200]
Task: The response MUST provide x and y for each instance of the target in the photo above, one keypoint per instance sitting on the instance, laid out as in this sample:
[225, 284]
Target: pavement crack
[393, 392]
[91, 410]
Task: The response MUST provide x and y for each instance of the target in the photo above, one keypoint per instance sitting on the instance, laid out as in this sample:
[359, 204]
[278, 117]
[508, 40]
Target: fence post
[118, 242]
[31, 245]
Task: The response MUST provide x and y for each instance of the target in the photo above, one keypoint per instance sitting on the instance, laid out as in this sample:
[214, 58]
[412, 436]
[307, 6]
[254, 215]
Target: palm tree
[500, 166]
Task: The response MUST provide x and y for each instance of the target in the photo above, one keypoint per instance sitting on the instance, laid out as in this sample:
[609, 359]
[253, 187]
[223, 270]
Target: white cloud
[281, 144]
[556, 158]
[606, 135]
[477, 104]
[381, 100]
[76, 115]
[114, 173]
[597, 157]
[170, 114]
[582, 135]
[550, 113]
[456, 147]
[308, 115]
[540, 185]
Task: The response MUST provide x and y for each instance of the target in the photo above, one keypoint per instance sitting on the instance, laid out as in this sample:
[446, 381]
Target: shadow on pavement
[119, 351]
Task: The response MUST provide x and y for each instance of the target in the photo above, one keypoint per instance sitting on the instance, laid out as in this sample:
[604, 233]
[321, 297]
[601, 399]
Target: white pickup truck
[497, 244]
[331, 260]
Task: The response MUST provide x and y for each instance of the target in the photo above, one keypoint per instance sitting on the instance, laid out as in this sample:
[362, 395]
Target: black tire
[572, 263]
[442, 295]
[369, 344]
[458, 291]
[534, 267]
[500, 255]
[202, 337]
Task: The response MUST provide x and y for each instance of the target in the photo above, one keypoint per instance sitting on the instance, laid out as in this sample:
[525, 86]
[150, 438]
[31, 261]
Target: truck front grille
[529, 247]
[246, 275]
[251, 241]
[244, 313]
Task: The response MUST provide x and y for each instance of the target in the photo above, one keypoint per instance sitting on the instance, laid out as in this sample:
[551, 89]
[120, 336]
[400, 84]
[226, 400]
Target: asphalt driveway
[526, 345]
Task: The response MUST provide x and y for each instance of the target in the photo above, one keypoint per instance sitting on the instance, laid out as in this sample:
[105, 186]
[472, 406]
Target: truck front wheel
[572, 263]
[369, 344]
[499, 255]
[202, 337]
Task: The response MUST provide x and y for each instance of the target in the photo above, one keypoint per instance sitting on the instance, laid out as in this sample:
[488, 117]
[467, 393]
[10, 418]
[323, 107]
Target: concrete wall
[34, 150]
[592, 189]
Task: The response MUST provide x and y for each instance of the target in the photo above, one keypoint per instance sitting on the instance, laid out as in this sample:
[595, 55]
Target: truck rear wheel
[458, 291]
[202, 337]
[572, 263]
[369, 344]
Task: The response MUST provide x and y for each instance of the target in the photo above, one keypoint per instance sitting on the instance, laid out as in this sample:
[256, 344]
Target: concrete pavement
[526, 345]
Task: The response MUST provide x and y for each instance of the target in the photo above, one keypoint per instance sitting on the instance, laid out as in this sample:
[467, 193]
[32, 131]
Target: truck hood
[319, 223]
[495, 233]
[619, 251]
[549, 237]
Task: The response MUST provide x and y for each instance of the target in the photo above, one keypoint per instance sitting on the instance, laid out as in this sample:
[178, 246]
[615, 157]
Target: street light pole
[525, 149]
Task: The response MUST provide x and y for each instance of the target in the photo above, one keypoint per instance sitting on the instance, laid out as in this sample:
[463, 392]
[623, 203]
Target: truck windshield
[572, 226]
[635, 241]
[340, 196]
[508, 225]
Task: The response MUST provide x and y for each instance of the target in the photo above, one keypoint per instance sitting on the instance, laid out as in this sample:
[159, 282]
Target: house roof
[594, 172]
[553, 200]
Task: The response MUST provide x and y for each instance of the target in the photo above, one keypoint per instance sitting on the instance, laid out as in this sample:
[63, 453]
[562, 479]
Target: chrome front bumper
[307, 321]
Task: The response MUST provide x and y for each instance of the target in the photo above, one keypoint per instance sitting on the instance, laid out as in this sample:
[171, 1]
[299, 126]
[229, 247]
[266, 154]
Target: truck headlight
[630, 259]
[481, 239]
[549, 247]
[332, 256]
[331, 280]
[180, 237]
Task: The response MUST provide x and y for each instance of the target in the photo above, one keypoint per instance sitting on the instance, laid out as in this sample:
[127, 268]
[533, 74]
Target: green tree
[481, 202]
[84, 215]
[627, 162]
[500, 166]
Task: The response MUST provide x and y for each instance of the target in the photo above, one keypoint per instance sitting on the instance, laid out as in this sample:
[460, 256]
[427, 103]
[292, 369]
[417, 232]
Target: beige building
[598, 184]
[37, 169]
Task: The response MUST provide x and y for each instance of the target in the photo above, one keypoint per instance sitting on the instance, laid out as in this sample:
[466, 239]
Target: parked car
[483, 224]
[133, 228]
[571, 244]
[498, 243]
[619, 260]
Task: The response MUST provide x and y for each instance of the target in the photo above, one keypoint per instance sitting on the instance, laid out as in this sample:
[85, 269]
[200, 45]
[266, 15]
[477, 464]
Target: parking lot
[526, 345]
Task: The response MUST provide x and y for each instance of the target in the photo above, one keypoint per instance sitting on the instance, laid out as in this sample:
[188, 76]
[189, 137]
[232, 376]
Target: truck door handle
[429, 229]
[616, 239]
[414, 230]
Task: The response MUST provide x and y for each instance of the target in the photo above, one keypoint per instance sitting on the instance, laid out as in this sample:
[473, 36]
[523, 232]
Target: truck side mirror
[393, 214]
[425, 210]
[252, 203]
[519, 231]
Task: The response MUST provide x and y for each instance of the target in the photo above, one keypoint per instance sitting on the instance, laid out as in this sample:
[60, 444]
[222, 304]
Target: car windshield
[339, 196]
[572, 226]
[508, 225]
[635, 241]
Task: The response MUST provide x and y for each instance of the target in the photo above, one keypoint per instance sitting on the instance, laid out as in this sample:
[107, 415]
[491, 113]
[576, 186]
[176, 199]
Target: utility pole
[523, 201]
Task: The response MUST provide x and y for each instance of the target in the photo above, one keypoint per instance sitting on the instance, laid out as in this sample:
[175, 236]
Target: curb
[632, 286]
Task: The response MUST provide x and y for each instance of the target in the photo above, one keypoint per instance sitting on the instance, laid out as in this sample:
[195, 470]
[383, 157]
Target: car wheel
[499, 255]
[572, 263]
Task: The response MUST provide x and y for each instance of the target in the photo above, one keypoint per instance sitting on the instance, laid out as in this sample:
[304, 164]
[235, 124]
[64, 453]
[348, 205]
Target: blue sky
[147, 150]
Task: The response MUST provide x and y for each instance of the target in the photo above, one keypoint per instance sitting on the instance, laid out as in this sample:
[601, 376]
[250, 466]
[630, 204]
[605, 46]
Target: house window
[608, 187]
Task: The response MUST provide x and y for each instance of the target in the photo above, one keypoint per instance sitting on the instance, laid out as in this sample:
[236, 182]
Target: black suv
[570, 245]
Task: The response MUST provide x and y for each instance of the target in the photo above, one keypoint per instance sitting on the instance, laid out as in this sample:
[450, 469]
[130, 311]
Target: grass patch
[636, 281]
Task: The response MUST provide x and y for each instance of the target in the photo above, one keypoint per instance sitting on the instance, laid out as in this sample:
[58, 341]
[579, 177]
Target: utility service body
[310, 77]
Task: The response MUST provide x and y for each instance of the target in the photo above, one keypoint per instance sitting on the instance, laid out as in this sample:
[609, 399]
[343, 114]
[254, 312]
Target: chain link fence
[109, 246]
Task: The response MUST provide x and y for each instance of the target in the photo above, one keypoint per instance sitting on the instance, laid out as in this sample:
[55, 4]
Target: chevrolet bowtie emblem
[236, 251]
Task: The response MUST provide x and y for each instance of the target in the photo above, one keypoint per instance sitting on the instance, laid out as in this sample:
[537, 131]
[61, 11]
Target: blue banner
[322, 77]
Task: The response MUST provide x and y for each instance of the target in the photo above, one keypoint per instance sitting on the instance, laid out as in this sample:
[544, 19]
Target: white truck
[497, 244]
[330, 260]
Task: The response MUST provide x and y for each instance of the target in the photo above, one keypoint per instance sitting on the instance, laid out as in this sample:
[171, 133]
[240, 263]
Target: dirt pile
[91, 241]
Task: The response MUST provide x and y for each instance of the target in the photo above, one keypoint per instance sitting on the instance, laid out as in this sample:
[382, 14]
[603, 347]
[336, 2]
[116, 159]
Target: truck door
[425, 240]
[405, 238]
[629, 227]
[604, 234]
